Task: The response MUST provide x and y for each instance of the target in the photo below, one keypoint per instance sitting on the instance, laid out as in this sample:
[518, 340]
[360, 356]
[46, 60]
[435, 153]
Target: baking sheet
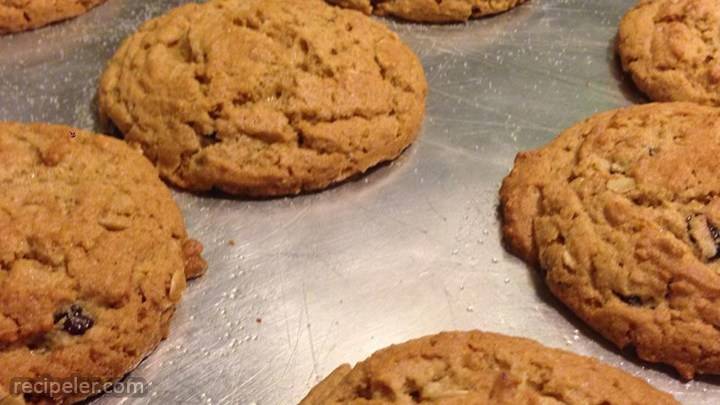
[297, 286]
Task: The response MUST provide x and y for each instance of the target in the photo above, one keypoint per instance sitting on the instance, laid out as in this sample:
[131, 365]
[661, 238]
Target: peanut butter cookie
[622, 213]
[432, 11]
[264, 97]
[23, 15]
[93, 259]
[481, 368]
[671, 48]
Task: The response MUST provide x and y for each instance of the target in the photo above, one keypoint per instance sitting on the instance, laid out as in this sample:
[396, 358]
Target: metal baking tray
[297, 286]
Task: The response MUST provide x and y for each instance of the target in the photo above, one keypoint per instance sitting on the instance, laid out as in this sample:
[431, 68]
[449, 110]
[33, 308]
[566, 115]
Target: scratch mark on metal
[450, 307]
[292, 346]
[308, 325]
[433, 209]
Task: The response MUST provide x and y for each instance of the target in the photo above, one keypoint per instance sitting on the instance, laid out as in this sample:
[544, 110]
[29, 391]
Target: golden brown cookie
[264, 97]
[671, 48]
[93, 257]
[481, 368]
[622, 212]
[432, 11]
[23, 15]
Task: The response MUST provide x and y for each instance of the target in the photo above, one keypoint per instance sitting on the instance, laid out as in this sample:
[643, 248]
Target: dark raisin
[74, 320]
[712, 230]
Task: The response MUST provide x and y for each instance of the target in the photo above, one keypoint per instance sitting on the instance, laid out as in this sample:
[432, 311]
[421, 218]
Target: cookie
[481, 368]
[93, 259]
[671, 48]
[622, 212]
[431, 11]
[264, 97]
[23, 15]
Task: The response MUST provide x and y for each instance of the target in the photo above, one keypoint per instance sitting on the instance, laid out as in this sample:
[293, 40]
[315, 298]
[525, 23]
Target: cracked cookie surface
[622, 212]
[481, 368]
[264, 98]
[93, 257]
[23, 15]
[671, 48]
[431, 11]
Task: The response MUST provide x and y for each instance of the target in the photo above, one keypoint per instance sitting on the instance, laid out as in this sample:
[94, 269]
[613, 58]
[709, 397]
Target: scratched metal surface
[411, 249]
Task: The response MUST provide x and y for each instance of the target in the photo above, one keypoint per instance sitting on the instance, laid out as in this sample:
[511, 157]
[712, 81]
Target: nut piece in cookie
[93, 259]
[671, 48]
[621, 213]
[264, 97]
[480, 368]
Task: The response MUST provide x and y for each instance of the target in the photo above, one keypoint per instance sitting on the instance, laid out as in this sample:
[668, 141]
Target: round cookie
[93, 258]
[431, 11]
[622, 213]
[481, 368]
[23, 15]
[671, 48]
[264, 97]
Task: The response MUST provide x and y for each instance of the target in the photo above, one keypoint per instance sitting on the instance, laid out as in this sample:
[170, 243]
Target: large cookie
[93, 258]
[264, 97]
[672, 49]
[622, 212]
[481, 368]
[22, 15]
[433, 11]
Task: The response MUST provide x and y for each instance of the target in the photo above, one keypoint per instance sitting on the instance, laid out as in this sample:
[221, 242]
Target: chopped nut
[568, 260]
[601, 164]
[616, 168]
[435, 390]
[621, 185]
[114, 222]
[177, 286]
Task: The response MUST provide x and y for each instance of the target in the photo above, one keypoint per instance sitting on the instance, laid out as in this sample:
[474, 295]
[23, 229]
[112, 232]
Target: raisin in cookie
[23, 15]
[671, 48]
[264, 97]
[481, 368]
[93, 257]
[432, 11]
[622, 212]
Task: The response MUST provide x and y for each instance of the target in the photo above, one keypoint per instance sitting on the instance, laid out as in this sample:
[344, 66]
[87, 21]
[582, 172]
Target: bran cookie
[23, 15]
[264, 97]
[671, 48]
[431, 11]
[622, 212]
[481, 368]
[93, 258]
